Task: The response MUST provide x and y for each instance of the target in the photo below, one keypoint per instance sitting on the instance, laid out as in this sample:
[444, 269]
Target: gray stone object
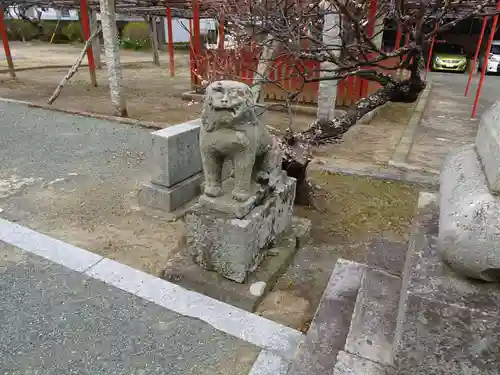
[447, 325]
[234, 247]
[469, 221]
[231, 131]
[488, 146]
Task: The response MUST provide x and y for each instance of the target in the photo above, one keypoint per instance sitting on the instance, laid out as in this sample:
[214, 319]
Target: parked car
[493, 59]
[449, 57]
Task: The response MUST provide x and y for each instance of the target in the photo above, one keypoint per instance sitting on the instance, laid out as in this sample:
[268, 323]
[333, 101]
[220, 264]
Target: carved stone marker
[236, 221]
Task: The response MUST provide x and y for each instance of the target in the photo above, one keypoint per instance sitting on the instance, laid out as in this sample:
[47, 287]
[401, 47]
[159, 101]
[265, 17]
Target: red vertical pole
[5, 40]
[431, 48]
[84, 13]
[191, 55]
[170, 42]
[473, 68]
[196, 27]
[221, 31]
[485, 61]
[370, 29]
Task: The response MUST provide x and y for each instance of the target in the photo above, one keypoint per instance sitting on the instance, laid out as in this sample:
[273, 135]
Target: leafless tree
[345, 38]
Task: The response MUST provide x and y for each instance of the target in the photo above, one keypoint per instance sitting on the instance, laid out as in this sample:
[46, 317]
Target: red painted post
[221, 31]
[196, 27]
[473, 67]
[191, 55]
[170, 42]
[485, 62]
[5, 40]
[370, 29]
[84, 13]
[431, 48]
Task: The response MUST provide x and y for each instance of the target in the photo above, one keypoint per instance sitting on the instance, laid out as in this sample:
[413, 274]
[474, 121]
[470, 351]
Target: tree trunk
[112, 52]
[153, 35]
[298, 146]
[327, 92]
[270, 45]
[96, 44]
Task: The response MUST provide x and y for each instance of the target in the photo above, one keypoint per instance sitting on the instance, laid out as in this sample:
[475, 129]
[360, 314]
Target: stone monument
[469, 223]
[237, 220]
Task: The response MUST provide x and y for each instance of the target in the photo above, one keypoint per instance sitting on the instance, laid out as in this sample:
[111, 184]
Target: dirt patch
[350, 212]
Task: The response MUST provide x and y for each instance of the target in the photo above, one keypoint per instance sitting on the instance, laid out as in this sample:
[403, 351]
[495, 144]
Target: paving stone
[172, 198]
[387, 255]
[327, 333]
[373, 323]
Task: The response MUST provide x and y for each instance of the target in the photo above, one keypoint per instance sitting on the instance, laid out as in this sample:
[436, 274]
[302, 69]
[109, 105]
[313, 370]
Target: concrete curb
[121, 120]
[277, 341]
[28, 68]
[405, 144]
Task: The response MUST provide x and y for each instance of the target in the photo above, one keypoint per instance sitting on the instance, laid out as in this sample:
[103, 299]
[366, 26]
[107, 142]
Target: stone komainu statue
[231, 130]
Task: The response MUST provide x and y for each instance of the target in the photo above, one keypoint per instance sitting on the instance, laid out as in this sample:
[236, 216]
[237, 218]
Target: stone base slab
[235, 247]
[446, 324]
[170, 199]
[182, 270]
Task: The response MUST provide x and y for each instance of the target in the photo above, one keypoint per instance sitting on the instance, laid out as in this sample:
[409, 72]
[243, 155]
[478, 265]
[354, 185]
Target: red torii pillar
[431, 48]
[370, 29]
[473, 67]
[170, 42]
[221, 30]
[5, 40]
[84, 13]
[485, 61]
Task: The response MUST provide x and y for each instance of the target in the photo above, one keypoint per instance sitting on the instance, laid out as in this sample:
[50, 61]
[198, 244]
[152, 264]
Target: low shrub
[73, 32]
[20, 30]
[136, 36]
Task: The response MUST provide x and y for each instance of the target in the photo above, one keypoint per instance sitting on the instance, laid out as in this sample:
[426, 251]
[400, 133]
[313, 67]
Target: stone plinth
[447, 324]
[218, 241]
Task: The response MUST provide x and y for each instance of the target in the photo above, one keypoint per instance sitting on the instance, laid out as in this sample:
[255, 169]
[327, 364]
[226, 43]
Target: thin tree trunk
[153, 35]
[270, 46]
[112, 52]
[74, 68]
[96, 44]
[327, 92]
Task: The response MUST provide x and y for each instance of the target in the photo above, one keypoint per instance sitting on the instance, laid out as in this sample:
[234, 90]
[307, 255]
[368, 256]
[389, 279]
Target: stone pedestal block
[447, 325]
[234, 247]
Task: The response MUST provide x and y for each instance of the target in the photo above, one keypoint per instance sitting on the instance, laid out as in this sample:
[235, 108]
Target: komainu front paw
[213, 191]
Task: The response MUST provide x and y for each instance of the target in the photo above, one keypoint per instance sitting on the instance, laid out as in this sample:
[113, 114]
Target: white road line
[273, 337]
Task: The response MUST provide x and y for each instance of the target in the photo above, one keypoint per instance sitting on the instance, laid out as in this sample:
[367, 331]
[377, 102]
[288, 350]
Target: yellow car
[449, 57]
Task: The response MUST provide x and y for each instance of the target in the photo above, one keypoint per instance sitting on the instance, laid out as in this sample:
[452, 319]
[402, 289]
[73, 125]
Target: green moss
[350, 209]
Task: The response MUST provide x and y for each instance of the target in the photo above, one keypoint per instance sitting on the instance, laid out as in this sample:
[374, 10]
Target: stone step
[349, 364]
[328, 331]
[373, 324]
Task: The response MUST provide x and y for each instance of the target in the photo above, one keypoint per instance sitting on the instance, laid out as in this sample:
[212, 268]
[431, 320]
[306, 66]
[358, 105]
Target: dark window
[452, 49]
[495, 49]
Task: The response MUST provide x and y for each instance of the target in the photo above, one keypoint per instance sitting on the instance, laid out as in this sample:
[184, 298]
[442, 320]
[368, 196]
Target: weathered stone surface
[182, 270]
[469, 221]
[176, 153]
[258, 288]
[285, 308]
[170, 199]
[387, 255]
[348, 364]
[447, 325]
[234, 247]
[231, 131]
[488, 145]
[373, 322]
[327, 333]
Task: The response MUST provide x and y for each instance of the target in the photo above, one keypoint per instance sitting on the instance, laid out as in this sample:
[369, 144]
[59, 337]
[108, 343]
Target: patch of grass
[351, 209]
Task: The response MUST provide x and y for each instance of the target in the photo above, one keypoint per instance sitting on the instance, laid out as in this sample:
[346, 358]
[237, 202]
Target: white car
[493, 59]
